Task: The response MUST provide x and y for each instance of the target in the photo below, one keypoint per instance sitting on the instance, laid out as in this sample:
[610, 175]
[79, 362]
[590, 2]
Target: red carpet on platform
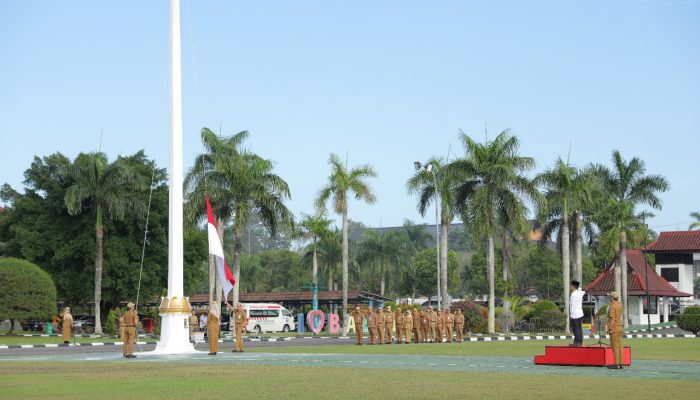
[594, 355]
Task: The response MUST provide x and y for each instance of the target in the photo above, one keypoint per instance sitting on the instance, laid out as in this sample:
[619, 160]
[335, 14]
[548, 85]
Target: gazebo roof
[637, 274]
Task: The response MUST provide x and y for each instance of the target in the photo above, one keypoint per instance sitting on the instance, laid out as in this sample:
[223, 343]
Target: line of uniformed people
[411, 326]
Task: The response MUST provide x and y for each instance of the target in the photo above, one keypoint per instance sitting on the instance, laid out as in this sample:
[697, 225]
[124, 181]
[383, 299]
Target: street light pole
[429, 167]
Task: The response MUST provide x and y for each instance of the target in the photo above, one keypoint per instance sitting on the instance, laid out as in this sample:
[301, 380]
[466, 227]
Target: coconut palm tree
[695, 225]
[240, 184]
[314, 227]
[383, 251]
[330, 255]
[566, 190]
[341, 183]
[626, 186]
[491, 189]
[424, 183]
[104, 188]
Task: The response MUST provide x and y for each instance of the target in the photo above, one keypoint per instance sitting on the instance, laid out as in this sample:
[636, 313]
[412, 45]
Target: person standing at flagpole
[576, 312]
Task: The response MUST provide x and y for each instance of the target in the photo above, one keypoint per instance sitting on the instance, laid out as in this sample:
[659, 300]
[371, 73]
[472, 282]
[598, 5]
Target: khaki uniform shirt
[371, 320]
[432, 316]
[459, 318]
[615, 315]
[408, 321]
[130, 319]
[388, 318]
[241, 319]
[380, 318]
[398, 318]
[358, 316]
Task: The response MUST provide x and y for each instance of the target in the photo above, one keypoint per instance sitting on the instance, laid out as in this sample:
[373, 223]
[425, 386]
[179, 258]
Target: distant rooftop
[679, 241]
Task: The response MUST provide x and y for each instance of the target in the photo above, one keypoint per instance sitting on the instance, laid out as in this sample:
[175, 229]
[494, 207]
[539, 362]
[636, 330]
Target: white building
[677, 257]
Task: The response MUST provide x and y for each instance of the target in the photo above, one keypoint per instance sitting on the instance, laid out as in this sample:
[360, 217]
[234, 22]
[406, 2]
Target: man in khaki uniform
[380, 325]
[372, 326]
[449, 324]
[424, 326]
[432, 317]
[193, 322]
[388, 324]
[459, 325]
[615, 329]
[408, 325]
[416, 327]
[358, 316]
[67, 327]
[241, 319]
[440, 326]
[131, 320]
[213, 327]
[398, 320]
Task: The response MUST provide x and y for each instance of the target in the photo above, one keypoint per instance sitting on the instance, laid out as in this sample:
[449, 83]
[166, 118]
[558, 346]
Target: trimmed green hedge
[26, 291]
[689, 320]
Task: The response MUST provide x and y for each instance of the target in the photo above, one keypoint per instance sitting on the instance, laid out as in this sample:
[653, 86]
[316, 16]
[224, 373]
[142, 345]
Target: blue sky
[383, 82]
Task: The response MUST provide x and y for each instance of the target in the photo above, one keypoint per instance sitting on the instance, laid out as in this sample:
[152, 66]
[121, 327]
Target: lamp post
[646, 274]
[429, 167]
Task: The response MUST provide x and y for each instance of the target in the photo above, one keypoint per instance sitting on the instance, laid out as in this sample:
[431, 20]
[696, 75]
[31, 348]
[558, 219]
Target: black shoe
[613, 367]
[619, 367]
[234, 351]
[66, 342]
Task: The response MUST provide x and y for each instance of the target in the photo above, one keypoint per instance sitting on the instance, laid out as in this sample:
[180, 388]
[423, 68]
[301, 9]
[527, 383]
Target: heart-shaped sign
[316, 319]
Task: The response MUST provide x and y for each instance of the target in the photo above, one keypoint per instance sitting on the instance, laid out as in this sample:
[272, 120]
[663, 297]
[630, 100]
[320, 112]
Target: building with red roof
[677, 256]
[641, 280]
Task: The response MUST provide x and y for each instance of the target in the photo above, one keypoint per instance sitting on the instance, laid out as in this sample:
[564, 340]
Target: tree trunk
[505, 255]
[578, 250]
[99, 235]
[314, 267]
[345, 269]
[566, 267]
[445, 228]
[623, 277]
[382, 284]
[490, 271]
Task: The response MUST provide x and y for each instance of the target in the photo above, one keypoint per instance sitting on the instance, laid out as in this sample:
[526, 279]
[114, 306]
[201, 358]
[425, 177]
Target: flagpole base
[174, 335]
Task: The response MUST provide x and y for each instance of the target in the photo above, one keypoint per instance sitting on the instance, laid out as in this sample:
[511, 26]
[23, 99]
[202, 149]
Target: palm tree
[424, 183]
[314, 227]
[340, 182]
[240, 184]
[626, 187]
[383, 251]
[490, 191]
[330, 254]
[101, 186]
[566, 190]
[695, 225]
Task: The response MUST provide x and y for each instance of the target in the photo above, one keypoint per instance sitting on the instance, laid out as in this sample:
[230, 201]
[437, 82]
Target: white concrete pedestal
[174, 335]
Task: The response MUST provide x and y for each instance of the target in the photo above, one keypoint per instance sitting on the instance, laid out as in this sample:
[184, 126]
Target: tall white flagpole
[175, 309]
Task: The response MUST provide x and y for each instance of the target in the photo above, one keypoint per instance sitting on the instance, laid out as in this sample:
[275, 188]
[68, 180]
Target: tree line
[83, 221]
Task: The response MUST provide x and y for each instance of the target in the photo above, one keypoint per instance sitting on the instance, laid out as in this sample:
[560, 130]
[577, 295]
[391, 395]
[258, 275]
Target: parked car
[84, 323]
[34, 325]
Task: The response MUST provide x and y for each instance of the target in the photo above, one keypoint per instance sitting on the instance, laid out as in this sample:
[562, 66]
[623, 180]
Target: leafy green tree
[330, 255]
[491, 191]
[424, 183]
[36, 226]
[426, 280]
[626, 187]
[27, 291]
[565, 189]
[341, 183]
[100, 186]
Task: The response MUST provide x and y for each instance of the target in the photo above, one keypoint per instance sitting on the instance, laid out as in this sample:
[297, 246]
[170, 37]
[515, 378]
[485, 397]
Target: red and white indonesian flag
[225, 276]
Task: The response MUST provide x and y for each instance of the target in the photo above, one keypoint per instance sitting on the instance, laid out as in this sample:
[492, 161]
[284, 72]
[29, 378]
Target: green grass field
[642, 349]
[88, 377]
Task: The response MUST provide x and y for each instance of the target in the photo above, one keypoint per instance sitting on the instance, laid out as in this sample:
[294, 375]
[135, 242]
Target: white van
[268, 317]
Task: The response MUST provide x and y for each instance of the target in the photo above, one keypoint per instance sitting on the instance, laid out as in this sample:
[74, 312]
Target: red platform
[592, 356]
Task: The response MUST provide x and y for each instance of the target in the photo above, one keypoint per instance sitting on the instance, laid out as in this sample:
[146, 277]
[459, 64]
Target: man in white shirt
[576, 312]
[202, 322]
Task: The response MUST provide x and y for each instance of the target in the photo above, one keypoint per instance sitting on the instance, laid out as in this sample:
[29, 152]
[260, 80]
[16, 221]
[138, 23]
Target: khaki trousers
[449, 332]
[239, 338]
[213, 335]
[616, 344]
[399, 333]
[408, 329]
[128, 341]
[460, 332]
